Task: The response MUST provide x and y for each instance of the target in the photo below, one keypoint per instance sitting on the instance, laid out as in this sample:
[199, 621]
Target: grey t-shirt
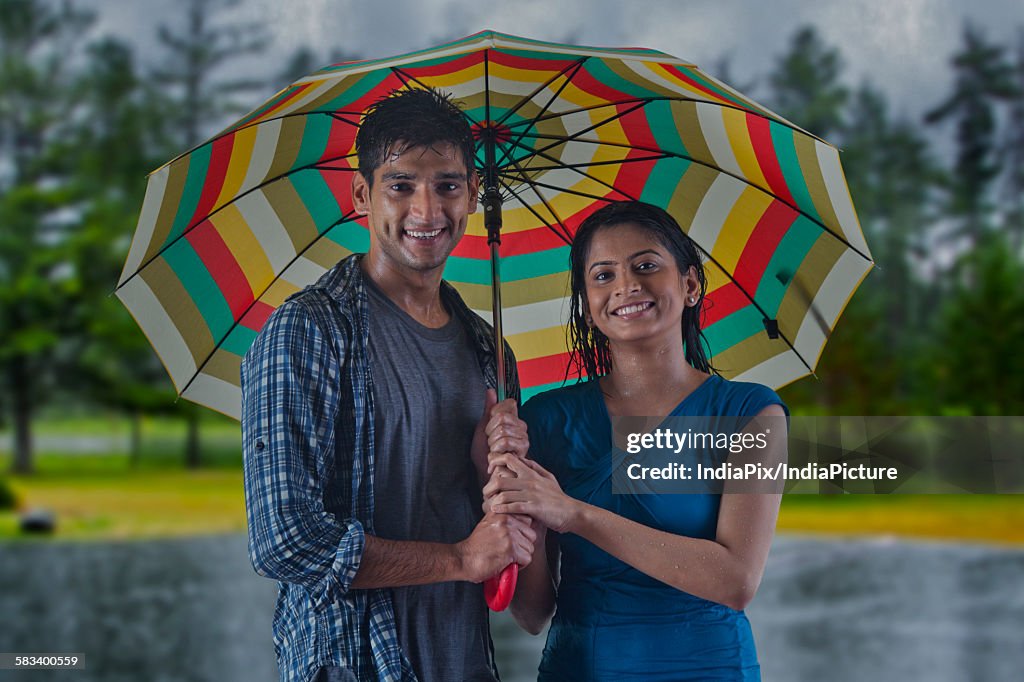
[428, 395]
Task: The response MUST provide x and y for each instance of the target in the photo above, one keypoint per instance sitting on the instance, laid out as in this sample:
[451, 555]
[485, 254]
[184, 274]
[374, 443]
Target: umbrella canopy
[262, 209]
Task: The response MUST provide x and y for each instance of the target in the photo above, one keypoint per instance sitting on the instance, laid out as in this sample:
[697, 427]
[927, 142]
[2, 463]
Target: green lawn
[103, 496]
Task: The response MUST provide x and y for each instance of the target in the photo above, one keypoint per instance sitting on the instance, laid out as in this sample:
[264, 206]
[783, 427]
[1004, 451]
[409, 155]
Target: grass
[107, 496]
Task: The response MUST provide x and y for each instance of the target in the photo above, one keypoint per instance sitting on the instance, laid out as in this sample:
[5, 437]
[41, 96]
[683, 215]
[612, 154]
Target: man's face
[418, 206]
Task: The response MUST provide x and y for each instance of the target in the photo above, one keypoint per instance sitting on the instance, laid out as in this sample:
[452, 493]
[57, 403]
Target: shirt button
[259, 445]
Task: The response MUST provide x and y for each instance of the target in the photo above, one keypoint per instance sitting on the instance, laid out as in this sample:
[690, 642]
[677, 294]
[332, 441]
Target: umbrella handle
[498, 589]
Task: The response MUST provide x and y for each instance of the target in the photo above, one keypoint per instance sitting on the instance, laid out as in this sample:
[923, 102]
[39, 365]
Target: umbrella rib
[544, 221]
[187, 230]
[577, 65]
[561, 140]
[344, 219]
[754, 303]
[565, 234]
[585, 164]
[574, 168]
[546, 107]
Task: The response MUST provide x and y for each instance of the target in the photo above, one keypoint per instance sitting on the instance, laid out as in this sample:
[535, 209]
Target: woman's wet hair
[589, 351]
[407, 119]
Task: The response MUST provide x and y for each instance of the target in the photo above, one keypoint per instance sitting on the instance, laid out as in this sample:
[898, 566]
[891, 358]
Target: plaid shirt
[308, 449]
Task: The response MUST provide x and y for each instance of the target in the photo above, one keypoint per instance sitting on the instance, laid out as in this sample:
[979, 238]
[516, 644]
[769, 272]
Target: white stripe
[163, 335]
[775, 372]
[155, 189]
[712, 125]
[833, 294]
[216, 394]
[300, 102]
[303, 272]
[707, 224]
[644, 70]
[263, 152]
[262, 219]
[839, 194]
[532, 316]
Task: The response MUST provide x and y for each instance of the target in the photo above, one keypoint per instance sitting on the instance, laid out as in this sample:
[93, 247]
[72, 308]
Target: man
[363, 429]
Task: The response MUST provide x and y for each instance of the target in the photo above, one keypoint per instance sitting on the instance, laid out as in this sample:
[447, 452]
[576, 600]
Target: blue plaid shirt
[308, 449]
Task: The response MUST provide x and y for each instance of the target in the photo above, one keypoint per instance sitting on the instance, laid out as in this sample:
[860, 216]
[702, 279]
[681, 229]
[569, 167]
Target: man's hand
[478, 448]
[506, 432]
[497, 541]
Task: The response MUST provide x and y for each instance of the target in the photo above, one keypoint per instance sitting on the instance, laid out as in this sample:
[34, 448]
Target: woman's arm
[726, 570]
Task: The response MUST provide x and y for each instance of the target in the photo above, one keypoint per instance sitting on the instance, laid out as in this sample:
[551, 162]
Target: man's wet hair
[407, 119]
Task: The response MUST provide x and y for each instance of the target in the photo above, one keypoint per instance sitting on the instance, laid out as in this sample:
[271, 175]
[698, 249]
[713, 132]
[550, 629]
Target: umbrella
[230, 229]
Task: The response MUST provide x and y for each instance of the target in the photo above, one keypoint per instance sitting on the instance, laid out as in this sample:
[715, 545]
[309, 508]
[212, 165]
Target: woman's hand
[532, 490]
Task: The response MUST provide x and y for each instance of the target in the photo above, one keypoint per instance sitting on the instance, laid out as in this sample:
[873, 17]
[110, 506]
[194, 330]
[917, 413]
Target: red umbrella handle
[498, 589]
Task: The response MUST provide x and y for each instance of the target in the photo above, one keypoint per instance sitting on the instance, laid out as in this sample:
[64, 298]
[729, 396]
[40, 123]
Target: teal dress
[613, 622]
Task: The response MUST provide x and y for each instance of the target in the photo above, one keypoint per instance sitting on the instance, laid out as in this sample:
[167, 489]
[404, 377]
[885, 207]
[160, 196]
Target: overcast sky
[902, 46]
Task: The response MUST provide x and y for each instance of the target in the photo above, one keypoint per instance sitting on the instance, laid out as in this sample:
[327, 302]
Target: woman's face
[635, 291]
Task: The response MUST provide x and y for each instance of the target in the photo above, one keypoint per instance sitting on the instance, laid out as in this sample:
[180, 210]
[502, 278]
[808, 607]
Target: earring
[692, 300]
[590, 321]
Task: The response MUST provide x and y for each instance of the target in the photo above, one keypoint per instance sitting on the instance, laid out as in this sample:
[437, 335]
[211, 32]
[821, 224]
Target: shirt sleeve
[289, 405]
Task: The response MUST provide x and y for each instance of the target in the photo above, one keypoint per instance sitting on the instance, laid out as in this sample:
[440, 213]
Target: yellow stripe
[244, 246]
[740, 222]
[739, 138]
[241, 157]
[539, 343]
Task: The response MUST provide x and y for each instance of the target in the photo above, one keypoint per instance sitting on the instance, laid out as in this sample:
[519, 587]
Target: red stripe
[699, 86]
[721, 303]
[761, 246]
[512, 244]
[340, 184]
[220, 156]
[543, 370]
[339, 141]
[546, 67]
[587, 83]
[392, 82]
[222, 266]
[446, 68]
[257, 316]
[764, 148]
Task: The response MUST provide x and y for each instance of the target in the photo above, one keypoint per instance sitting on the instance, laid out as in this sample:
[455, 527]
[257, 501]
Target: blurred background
[139, 561]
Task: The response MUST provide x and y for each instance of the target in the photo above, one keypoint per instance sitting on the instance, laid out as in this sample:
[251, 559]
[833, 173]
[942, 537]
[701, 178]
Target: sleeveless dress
[613, 622]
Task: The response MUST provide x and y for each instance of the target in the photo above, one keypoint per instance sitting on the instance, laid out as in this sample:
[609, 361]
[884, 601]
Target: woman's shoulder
[564, 400]
[741, 398]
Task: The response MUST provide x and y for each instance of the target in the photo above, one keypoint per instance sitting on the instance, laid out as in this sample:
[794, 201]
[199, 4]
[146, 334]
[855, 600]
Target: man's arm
[495, 542]
[289, 406]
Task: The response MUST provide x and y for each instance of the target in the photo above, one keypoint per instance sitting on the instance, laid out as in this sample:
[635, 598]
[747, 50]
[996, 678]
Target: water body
[192, 609]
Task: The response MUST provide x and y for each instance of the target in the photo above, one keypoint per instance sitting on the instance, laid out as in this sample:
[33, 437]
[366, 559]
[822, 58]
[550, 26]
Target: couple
[369, 432]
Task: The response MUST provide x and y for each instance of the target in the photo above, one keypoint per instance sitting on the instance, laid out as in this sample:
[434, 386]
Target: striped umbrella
[230, 229]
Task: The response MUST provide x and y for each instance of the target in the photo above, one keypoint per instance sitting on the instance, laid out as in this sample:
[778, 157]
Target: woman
[652, 587]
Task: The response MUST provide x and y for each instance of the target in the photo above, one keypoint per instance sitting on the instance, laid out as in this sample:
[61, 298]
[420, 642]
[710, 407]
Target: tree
[983, 77]
[38, 42]
[1014, 186]
[198, 96]
[806, 86]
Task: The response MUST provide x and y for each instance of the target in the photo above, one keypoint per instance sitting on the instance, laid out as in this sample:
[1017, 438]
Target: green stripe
[785, 150]
[198, 164]
[733, 329]
[533, 54]
[664, 127]
[315, 134]
[352, 236]
[605, 76]
[239, 340]
[663, 181]
[794, 247]
[317, 198]
[530, 391]
[365, 84]
[513, 268]
[201, 287]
